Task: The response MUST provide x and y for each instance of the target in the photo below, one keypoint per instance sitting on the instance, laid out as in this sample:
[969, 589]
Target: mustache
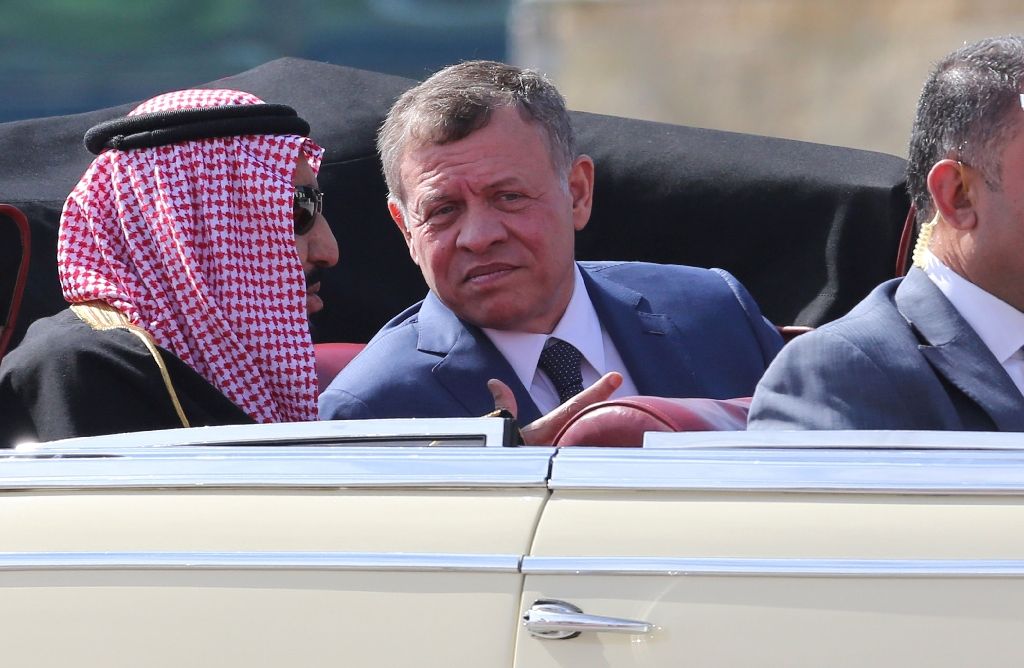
[314, 275]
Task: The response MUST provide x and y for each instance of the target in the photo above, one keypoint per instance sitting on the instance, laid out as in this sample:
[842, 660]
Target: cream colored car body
[308, 546]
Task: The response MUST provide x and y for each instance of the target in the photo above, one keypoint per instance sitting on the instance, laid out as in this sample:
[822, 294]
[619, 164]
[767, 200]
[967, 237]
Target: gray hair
[966, 113]
[458, 100]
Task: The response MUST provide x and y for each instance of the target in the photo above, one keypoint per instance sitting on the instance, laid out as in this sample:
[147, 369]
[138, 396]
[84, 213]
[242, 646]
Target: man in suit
[488, 190]
[940, 348]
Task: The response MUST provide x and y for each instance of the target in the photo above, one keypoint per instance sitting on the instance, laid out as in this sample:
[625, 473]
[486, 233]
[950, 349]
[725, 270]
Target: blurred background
[839, 72]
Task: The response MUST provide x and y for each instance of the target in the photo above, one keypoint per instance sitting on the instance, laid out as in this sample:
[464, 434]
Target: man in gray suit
[940, 348]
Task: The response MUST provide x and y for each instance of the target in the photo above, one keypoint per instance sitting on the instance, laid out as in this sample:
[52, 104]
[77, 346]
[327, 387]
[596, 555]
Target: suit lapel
[467, 359]
[957, 353]
[648, 342]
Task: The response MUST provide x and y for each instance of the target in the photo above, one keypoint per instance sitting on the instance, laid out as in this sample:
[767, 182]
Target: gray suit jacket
[903, 358]
[681, 332]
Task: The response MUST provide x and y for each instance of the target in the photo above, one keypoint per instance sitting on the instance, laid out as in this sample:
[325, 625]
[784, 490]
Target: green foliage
[61, 56]
[106, 27]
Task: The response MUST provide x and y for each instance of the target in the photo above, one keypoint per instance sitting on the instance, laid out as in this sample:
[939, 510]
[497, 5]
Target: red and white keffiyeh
[195, 243]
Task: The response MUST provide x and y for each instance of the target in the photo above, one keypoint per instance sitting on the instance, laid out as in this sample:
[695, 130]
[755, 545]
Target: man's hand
[543, 430]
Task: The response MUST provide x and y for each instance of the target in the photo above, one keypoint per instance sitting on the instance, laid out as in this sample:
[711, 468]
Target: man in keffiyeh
[185, 252]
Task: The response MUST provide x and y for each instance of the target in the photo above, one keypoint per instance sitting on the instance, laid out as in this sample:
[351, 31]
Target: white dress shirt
[581, 327]
[999, 325]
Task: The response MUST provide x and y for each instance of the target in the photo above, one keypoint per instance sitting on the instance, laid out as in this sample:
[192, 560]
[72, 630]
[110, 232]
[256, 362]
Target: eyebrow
[505, 182]
[432, 198]
[419, 207]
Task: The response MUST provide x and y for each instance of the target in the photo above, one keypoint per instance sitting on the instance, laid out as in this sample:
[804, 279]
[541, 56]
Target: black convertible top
[808, 228]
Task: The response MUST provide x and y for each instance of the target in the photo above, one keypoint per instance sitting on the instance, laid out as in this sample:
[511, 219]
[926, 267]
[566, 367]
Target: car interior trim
[394, 431]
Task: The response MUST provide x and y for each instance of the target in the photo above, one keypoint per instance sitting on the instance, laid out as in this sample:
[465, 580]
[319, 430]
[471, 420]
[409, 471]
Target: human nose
[481, 228]
[322, 246]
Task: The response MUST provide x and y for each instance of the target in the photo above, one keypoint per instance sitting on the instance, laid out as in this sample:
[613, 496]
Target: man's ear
[395, 209]
[951, 185]
[581, 189]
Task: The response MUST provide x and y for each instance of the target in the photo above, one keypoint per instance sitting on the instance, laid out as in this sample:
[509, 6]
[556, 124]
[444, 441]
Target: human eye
[441, 214]
[510, 199]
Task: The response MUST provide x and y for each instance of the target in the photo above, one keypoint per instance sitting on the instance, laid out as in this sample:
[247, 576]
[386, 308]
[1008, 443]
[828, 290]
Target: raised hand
[543, 430]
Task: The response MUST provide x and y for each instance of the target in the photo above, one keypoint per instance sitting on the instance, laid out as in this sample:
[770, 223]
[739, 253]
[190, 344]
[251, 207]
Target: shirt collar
[579, 325]
[999, 325]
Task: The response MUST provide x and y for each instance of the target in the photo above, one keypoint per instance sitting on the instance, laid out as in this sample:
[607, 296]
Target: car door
[252, 555]
[808, 556]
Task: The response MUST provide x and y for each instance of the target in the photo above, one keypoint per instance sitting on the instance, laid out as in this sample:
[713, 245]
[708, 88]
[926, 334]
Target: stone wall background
[844, 72]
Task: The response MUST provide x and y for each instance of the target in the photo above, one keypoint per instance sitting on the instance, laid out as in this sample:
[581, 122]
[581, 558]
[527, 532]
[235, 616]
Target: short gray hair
[458, 100]
[965, 113]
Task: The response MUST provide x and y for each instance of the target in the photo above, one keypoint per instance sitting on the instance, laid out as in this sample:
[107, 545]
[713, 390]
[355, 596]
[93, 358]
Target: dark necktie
[561, 362]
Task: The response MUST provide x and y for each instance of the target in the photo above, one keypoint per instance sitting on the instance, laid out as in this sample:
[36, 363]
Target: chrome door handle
[558, 620]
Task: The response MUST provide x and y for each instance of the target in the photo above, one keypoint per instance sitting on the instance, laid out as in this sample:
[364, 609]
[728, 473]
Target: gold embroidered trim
[102, 316]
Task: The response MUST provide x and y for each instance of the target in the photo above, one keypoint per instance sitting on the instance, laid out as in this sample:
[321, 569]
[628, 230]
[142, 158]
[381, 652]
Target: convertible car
[441, 543]
[424, 542]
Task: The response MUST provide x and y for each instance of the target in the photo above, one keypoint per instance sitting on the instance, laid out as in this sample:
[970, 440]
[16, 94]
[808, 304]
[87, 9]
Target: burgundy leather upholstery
[14, 254]
[331, 358]
[622, 422]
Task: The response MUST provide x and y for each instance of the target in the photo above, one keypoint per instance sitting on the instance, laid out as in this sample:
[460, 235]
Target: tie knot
[560, 360]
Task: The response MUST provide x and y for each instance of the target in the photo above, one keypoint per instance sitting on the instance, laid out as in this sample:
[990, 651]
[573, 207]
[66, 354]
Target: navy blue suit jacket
[903, 358]
[681, 332]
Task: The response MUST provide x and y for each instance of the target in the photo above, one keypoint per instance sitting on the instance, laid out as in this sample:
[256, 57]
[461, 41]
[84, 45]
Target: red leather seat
[331, 358]
[14, 254]
[622, 422]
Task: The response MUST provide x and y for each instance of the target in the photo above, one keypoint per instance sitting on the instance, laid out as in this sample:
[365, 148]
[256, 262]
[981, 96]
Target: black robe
[67, 379]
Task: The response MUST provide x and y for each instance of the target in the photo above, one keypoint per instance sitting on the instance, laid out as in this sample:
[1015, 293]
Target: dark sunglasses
[306, 204]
